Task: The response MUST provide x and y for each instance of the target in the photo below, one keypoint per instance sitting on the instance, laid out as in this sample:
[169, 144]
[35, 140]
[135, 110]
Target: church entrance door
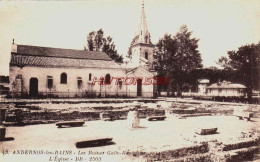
[139, 87]
[33, 87]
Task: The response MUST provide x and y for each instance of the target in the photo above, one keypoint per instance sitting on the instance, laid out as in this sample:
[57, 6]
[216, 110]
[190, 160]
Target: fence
[7, 96]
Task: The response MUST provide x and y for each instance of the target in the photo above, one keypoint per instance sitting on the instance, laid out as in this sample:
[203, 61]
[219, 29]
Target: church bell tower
[142, 47]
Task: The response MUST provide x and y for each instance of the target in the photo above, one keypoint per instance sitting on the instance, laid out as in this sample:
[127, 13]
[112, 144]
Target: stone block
[156, 118]
[70, 123]
[2, 133]
[206, 131]
[94, 142]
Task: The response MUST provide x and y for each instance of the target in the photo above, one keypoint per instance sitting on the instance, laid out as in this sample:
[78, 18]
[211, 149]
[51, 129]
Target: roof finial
[13, 41]
[143, 4]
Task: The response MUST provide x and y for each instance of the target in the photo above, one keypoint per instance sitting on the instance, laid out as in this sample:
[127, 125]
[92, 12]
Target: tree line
[177, 56]
[244, 66]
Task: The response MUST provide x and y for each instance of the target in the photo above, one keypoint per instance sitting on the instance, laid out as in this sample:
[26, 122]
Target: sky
[220, 26]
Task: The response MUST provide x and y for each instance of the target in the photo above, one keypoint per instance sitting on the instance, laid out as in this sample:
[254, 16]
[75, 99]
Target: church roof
[42, 61]
[133, 70]
[61, 53]
[57, 57]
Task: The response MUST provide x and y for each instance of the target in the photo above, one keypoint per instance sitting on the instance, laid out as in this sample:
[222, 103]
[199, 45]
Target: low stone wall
[115, 114]
[244, 154]
[194, 115]
[183, 111]
[190, 112]
[172, 154]
[242, 144]
[197, 157]
[208, 151]
[41, 116]
[61, 115]
[143, 113]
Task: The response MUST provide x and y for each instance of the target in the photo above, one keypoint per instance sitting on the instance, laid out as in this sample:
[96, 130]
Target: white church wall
[71, 88]
[139, 51]
[41, 74]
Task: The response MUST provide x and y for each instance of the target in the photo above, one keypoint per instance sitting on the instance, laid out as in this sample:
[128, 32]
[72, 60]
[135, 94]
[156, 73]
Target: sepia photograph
[130, 80]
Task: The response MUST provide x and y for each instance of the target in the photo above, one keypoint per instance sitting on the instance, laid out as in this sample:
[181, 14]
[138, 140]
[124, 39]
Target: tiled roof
[25, 60]
[226, 85]
[61, 53]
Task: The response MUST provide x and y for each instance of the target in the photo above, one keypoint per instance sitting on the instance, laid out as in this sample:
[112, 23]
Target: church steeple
[142, 47]
[142, 34]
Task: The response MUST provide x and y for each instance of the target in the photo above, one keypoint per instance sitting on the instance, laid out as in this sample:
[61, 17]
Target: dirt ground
[154, 136]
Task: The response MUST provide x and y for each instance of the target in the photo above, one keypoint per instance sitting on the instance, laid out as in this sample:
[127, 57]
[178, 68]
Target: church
[55, 72]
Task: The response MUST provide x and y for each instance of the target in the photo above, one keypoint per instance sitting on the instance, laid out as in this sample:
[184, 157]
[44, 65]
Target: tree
[129, 52]
[177, 56]
[97, 42]
[164, 50]
[212, 73]
[245, 62]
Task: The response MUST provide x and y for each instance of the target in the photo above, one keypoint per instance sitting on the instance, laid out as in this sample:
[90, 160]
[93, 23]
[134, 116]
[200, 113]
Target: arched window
[146, 39]
[49, 82]
[120, 84]
[63, 78]
[79, 81]
[107, 79]
[146, 55]
[89, 76]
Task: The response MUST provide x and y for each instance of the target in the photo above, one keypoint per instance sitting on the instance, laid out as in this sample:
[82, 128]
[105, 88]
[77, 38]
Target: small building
[202, 86]
[226, 89]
